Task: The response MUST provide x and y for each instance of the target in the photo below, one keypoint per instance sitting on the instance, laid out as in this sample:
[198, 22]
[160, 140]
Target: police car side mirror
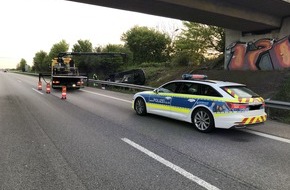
[156, 90]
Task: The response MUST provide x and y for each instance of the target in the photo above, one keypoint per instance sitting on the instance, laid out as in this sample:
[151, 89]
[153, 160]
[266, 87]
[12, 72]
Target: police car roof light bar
[194, 77]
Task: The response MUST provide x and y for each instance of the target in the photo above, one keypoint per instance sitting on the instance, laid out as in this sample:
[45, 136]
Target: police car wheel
[203, 120]
[140, 107]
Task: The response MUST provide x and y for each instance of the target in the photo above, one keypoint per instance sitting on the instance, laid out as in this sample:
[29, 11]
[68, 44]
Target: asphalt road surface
[94, 140]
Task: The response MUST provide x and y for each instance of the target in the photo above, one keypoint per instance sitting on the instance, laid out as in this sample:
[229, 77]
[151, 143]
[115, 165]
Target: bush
[282, 95]
[181, 59]
[154, 64]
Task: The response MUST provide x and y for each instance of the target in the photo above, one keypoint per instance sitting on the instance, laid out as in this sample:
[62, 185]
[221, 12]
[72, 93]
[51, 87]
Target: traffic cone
[63, 92]
[48, 88]
[39, 86]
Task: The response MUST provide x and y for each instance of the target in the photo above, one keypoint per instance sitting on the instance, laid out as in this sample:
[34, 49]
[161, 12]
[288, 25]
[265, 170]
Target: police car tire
[199, 116]
[140, 106]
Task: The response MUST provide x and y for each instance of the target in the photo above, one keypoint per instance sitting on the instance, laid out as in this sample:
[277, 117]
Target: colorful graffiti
[264, 54]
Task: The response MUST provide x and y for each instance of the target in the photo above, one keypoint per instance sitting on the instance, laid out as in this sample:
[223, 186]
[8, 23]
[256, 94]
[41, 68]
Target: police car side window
[169, 88]
[188, 88]
[206, 90]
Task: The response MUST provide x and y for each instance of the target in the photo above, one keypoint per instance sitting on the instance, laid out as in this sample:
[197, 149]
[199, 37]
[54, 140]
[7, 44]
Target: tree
[85, 64]
[83, 46]
[40, 61]
[198, 40]
[57, 48]
[120, 49]
[21, 65]
[147, 45]
[115, 48]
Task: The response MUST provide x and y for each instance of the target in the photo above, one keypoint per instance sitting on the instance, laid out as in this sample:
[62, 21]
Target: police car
[207, 104]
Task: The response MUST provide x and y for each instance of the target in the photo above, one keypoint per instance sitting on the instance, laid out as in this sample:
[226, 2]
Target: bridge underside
[242, 15]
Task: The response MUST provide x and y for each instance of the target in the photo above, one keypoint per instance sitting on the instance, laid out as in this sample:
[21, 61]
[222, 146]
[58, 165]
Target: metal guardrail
[277, 104]
[126, 85]
[269, 103]
[25, 73]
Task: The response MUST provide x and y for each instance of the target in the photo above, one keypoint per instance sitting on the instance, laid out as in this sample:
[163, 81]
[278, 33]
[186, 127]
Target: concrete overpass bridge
[244, 20]
[242, 15]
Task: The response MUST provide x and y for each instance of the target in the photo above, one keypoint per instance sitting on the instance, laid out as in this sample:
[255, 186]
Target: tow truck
[65, 73]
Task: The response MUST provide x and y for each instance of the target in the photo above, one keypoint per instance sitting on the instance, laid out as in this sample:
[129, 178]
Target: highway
[94, 140]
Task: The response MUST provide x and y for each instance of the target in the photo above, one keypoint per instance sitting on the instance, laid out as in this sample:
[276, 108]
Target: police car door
[184, 101]
[160, 101]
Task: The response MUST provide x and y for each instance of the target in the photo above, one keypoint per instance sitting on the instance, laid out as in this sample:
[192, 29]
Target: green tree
[41, 62]
[86, 64]
[147, 45]
[119, 48]
[198, 40]
[98, 49]
[21, 65]
[115, 48]
[83, 46]
[57, 48]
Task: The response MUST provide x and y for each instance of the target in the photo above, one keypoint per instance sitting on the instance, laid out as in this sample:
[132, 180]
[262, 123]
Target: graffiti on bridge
[264, 54]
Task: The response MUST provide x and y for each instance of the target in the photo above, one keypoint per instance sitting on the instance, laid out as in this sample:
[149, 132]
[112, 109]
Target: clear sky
[28, 26]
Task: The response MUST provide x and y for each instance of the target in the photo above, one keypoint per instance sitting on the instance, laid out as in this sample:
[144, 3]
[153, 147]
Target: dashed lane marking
[37, 91]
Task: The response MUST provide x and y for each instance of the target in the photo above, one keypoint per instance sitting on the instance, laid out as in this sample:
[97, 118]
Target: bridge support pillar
[285, 28]
[232, 36]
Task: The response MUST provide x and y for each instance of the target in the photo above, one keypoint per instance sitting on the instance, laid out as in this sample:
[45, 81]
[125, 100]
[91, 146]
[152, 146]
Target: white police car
[208, 104]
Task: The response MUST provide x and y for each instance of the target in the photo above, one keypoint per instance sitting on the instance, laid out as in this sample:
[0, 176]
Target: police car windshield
[240, 91]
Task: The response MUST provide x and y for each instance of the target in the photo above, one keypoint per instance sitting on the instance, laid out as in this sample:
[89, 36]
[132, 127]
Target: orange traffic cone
[63, 92]
[48, 88]
[39, 86]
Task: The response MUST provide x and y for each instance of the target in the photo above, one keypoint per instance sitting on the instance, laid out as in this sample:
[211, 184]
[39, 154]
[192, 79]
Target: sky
[29, 26]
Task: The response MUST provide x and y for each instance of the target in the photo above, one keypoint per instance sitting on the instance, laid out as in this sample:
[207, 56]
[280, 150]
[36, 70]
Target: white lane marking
[19, 81]
[174, 167]
[268, 136]
[37, 91]
[107, 96]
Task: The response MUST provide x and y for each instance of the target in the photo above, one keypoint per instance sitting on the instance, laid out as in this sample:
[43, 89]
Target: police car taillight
[237, 106]
[193, 77]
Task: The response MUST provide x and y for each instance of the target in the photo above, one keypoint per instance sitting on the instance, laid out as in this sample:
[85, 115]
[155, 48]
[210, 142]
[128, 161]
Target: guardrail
[125, 85]
[25, 73]
[277, 104]
[269, 103]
